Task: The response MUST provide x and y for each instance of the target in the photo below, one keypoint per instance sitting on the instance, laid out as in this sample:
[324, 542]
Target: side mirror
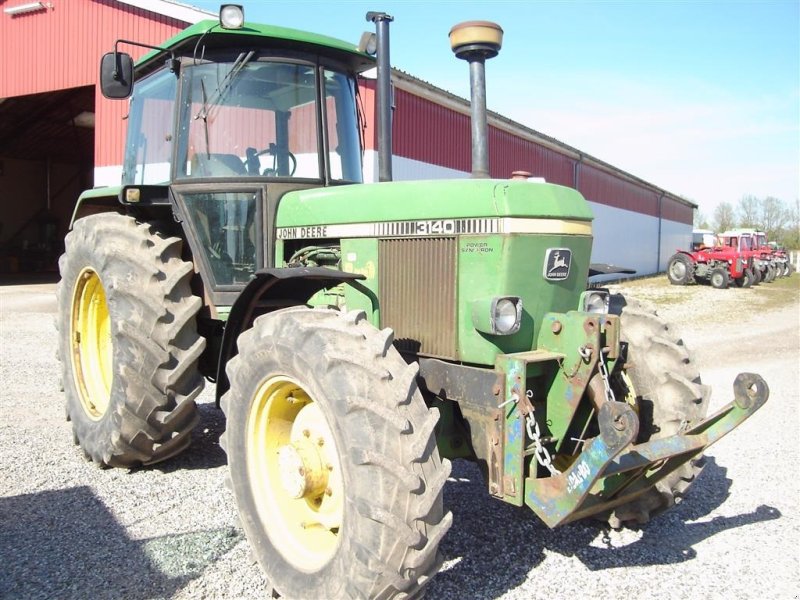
[116, 75]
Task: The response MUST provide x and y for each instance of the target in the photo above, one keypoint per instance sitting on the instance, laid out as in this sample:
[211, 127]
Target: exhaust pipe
[384, 89]
[475, 42]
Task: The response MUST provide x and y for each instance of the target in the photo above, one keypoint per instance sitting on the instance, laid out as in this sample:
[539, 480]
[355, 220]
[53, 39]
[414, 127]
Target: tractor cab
[736, 241]
[243, 114]
[226, 120]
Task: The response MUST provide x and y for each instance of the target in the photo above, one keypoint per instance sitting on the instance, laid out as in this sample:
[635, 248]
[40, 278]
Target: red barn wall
[60, 48]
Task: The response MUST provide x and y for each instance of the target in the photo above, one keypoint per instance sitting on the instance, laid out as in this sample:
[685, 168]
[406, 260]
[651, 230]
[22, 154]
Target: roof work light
[231, 16]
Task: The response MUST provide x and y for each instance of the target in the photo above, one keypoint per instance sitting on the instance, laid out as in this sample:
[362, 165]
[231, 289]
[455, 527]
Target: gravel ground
[69, 530]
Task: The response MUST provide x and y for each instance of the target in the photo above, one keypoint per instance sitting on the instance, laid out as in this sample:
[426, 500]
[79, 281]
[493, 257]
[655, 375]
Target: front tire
[128, 343]
[333, 458]
[745, 281]
[719, 278]
[670, 397]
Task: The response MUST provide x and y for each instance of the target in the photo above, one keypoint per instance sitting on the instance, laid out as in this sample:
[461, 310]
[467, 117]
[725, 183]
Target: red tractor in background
[744, 243]
[772, 261]
[782, 256]
[718, 265]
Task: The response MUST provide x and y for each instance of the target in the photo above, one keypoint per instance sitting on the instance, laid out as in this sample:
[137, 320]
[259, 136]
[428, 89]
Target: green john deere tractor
[359, 335]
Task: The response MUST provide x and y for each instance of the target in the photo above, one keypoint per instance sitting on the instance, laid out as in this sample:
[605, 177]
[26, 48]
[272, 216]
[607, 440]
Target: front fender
[272, 289]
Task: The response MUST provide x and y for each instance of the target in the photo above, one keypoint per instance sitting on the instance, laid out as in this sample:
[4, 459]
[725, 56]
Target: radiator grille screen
[417, 293]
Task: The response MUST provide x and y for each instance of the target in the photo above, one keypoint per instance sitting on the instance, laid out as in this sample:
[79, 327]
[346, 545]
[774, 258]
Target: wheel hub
[295, 473]
[303, 473]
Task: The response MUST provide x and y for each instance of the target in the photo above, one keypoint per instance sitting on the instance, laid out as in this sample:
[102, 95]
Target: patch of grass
[780, 292]
[652, 281]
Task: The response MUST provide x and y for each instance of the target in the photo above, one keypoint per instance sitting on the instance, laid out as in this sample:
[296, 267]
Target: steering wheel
[253, 164]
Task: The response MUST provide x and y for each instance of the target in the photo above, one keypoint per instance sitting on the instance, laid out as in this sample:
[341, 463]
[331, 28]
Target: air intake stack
[475, 42]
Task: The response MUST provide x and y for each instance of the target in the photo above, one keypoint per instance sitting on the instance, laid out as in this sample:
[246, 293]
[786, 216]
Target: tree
[749, 211]
[774, 216]
[724, 217]
[791, 235]
[700, 220]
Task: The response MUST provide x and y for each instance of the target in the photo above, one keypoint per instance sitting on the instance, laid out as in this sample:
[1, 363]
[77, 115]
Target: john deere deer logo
[556, 264]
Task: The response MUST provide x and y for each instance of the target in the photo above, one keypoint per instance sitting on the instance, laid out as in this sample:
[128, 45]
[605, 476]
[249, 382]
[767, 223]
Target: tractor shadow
[67, 544]
[205, 451]
[492, 547]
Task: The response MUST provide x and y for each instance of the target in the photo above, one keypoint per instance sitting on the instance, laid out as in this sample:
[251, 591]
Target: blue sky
[700, 98]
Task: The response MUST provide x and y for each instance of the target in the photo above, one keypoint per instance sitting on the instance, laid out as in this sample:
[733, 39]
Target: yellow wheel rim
[295, 474]
[92, 351]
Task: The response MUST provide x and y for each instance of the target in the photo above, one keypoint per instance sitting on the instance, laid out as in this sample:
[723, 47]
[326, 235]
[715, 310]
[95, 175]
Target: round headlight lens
[505, 316]
[596, 303]
[231, 16]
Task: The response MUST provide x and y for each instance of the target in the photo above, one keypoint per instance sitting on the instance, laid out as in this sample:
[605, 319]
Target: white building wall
[107, 176]
[407, 169]
[674, 236]
[624, 238]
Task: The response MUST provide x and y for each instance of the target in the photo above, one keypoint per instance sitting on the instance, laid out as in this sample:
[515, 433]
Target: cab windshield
[257, 118]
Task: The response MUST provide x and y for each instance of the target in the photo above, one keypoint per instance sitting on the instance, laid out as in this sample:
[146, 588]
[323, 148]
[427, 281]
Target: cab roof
[211, 34]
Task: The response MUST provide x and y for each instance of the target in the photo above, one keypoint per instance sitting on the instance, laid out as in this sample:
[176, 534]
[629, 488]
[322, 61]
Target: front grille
[417, 294]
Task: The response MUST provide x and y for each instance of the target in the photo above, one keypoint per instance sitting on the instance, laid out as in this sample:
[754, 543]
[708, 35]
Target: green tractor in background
[359, 335]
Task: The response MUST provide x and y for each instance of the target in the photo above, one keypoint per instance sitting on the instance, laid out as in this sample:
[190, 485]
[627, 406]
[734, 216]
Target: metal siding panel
[604, 188]
[430, 133]
[509, 153]
[676, 211]
[418, 294]
[434, 134]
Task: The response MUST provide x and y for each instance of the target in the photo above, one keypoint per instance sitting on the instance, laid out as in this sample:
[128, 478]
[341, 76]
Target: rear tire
[671, 398]
[128, 342]
[308, 374]
[680, 270]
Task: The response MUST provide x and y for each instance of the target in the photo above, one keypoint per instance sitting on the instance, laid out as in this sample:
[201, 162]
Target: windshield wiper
[224, 85]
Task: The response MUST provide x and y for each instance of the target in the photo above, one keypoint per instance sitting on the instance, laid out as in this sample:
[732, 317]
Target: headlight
[231, 16]
[506, 314]
[595, 301]
[501, 315]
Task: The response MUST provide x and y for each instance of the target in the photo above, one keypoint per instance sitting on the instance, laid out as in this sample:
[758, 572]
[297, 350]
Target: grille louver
[417, 293]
